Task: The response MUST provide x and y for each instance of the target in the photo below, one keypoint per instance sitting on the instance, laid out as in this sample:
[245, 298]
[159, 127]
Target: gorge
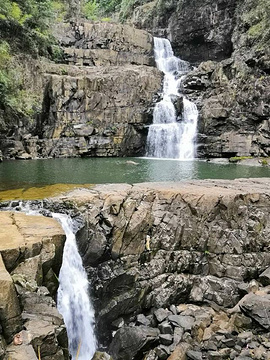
[122, 257]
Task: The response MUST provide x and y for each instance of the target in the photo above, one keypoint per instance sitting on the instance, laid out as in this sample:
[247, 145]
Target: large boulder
[130, 343]
[31, 247]
[257, 306]
[10, 311]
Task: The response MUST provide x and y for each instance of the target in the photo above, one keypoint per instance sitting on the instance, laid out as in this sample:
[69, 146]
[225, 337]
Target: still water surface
[25, 174]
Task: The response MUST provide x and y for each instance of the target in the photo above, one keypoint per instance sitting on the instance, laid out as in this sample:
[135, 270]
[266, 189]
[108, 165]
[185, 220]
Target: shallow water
[39, 173]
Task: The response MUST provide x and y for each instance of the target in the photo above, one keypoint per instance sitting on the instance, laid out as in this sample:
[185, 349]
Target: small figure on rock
[147, 243]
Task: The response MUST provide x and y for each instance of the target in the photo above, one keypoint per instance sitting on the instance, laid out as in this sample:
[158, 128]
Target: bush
[91, 10]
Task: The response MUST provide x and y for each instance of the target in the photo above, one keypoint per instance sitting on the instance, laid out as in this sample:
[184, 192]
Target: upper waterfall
[171, 135]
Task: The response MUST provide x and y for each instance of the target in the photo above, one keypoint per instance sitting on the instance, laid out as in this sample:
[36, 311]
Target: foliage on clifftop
[93, 9]
[26, 24]
[25, 28]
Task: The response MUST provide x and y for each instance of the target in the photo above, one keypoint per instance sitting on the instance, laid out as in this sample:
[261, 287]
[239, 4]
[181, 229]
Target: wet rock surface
[198, 287]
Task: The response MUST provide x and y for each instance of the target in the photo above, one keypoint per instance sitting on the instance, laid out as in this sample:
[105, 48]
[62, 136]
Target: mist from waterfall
[171, 136]
[73, 300]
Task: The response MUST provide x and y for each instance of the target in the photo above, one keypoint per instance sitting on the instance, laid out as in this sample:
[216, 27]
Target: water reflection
[170, 170]
[22, 174]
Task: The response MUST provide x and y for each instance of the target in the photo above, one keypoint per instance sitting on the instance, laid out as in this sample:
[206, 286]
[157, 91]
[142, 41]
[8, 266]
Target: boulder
[101, 356]
[129, 342]
[10, 312]
[180, 352]
[258, 308]
[185, 322]
[29, 236]
[265, 277]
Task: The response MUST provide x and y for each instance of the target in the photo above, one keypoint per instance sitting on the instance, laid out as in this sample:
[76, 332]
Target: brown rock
[28, 236]
[9, 304]
[180, 352]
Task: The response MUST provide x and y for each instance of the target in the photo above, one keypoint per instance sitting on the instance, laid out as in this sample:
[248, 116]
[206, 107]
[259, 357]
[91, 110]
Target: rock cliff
[229, 40]
[169, 263]
[97, 103]
[30, 258]
[177, 270]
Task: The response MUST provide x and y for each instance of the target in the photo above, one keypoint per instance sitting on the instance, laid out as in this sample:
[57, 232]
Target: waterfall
[73, 297]
[73, 300]
[169, 136]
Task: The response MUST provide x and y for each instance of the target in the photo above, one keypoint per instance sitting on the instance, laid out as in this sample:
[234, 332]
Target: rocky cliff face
[31, 250]
[231, 91]
[176, 270]
[98, 104]
[198, 30]
[151, 249]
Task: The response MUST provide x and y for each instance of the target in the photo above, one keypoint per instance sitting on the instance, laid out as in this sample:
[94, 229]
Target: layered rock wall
[151, 246]
[176, 270]
[98, 103]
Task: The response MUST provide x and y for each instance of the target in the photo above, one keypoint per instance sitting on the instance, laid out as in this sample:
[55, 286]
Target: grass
[263, 161]
[236, 159]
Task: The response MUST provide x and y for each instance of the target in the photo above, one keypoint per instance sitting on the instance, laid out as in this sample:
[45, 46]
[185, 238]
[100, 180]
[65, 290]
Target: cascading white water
[73, 298]
[168, 137]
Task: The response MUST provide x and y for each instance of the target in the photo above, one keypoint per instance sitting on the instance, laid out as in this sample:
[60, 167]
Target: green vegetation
[264, 162]
[101, 9]
[236, 159]
[255, 18]
[12, 93]
[25, 27]
[26, 24]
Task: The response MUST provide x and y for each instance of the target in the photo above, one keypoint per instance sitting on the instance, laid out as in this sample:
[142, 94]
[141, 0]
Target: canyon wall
[98, 103]
[99, 100]
[175, 268]
[175, 259]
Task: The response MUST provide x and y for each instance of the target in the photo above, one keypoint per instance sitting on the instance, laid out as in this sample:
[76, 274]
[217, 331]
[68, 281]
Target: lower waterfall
[172, 135]
[73, 298]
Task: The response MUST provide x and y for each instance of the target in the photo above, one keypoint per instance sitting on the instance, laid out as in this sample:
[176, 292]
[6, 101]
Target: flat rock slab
[185, 322]
[21, 352]
[23, 234]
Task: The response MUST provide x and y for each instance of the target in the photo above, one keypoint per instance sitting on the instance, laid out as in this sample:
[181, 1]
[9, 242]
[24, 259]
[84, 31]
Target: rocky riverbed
[177, 270]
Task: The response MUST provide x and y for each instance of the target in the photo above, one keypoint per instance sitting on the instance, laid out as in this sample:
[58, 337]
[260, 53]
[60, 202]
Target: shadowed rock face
[199, 30]
[206, 239]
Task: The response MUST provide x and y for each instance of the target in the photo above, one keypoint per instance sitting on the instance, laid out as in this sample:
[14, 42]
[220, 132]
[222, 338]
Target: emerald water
[25, 174]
